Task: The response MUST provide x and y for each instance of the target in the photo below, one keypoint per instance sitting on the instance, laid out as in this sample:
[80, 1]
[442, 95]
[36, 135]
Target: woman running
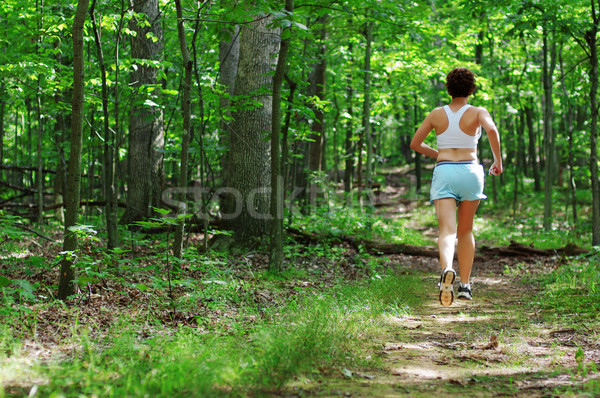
[458, 177]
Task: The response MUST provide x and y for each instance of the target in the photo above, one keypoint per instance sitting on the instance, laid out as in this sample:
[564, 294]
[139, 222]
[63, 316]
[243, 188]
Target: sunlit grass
[316, 331]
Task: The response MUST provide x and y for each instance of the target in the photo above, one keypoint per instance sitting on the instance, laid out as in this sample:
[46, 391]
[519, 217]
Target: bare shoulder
[482, 112]
[437, 113]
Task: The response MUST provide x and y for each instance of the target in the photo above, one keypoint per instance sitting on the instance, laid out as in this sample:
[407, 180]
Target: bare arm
[422, 132]
[485, 119]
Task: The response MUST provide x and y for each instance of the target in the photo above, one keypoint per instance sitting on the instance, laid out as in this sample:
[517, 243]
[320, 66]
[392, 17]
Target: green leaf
[301, 26]
[148, 224]
[141, 287]
[161, 211]
[4, 281]
[26, 288]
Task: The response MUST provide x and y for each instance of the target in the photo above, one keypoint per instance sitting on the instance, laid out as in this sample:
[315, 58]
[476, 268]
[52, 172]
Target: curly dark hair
[460, 82]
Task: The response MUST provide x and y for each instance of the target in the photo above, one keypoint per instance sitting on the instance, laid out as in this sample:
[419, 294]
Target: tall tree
[229, 56]
[366, 115]
[591, 38]
[548, 66]
[248, 167]
[187, 114]
[277, 180]
[146, 131]
[67, 272]
[318, 125]
[110, 193]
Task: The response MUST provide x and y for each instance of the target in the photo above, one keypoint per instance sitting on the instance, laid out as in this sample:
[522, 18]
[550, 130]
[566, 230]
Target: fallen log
[518, 249]
[377, 248]
[24, 168]
[31, 206]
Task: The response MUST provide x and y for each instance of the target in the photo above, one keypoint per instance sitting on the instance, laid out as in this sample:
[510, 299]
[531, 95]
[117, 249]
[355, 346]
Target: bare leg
[446, 214]
[466, 242]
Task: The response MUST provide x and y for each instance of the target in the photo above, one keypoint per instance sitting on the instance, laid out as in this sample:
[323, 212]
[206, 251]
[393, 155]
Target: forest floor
[507, 342]
[500, 344]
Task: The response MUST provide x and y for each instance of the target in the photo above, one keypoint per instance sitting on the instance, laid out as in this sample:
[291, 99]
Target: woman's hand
[496, 169]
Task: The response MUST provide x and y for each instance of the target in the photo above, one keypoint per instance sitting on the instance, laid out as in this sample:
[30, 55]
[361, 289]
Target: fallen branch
[24, 168]
[26, 228]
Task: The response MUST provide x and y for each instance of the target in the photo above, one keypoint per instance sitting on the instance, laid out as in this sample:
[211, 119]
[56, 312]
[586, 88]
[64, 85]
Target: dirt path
[501, 344]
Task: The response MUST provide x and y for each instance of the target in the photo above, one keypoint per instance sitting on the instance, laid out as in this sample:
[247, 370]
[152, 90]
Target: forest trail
[500, 344]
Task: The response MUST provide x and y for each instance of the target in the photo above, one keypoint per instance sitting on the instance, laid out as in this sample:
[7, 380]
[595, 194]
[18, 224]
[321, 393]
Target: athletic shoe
[446, 295]
[464, 292]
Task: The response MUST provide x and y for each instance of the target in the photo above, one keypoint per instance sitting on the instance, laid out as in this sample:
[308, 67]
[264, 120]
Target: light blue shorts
[461, 180]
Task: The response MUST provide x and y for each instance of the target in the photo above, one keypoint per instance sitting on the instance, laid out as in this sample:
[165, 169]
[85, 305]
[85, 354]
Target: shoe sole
[446, 295]
[462, 297]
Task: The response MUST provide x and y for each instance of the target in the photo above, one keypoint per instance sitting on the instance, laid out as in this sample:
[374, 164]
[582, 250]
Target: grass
[573, 289]
[314, 332]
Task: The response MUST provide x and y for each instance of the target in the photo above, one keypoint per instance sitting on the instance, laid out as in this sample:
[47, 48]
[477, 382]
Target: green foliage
[338, 221]
[573, 290]
[8, 228]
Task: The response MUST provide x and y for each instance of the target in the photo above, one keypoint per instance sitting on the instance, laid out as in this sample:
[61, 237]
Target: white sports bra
[454, 137]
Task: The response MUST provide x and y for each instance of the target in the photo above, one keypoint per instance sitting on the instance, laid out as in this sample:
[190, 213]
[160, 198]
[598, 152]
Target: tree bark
[277, 180]
[229, 56]
[146, 132]
[533, 161]
[185, 140]
[418, 159]
[318, 124]
[285, 133]
[548, 64]
[39, 175]
[591, 39]
[366, 115]
[349, 144]
[245, 196]
[2, 109]
[569, 127]
[67, 272]
[110, 194]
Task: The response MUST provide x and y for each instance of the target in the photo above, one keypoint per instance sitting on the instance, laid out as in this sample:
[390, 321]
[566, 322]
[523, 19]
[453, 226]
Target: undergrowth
[573, 289]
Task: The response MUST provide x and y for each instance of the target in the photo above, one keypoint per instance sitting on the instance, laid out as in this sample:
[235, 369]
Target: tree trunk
[67, 272]
[533, 161]
[39, 175]
[349, 145]
[185, 140]
[110, 194]
[204, 164]
[277, 187]
[286, 127]
[146, 134]
[229, 56]
[418, 174]
[549, 137]
[366, 115]
[2, 109]
[569, 127]
[245, 196]
[317, 127]
[591, 39]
